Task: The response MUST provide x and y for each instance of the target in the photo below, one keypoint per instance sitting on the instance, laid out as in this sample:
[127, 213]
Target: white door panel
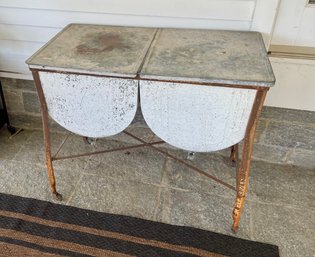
[295, 24]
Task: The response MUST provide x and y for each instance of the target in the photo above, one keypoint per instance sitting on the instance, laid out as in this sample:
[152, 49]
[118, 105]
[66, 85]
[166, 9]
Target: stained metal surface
[196, 118]
[213, 56]
[106, 50]
[90, 106]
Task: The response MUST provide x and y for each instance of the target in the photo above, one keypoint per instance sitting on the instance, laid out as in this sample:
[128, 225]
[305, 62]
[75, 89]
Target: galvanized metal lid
[209, 56]
[95, 49]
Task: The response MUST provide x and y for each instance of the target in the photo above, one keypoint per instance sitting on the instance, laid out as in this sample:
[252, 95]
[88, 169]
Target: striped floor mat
[30, 227]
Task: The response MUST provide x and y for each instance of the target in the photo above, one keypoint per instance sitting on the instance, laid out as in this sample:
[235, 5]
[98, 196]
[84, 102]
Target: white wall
[26, 25]
[295, 86]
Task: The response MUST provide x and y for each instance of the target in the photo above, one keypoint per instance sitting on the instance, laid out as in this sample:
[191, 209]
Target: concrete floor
[280, 206]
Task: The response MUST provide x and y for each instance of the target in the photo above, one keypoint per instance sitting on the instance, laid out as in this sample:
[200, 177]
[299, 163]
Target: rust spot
[101, 43]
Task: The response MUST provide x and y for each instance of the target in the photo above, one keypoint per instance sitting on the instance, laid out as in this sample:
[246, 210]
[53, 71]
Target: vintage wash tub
[199, 90]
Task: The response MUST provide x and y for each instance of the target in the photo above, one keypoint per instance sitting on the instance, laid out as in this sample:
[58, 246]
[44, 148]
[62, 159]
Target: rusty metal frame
[45, 121]
[242, 165]
[57, 158]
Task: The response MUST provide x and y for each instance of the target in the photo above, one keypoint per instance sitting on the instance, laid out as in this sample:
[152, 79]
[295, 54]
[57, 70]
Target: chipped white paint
[89, 105]
[196, 118]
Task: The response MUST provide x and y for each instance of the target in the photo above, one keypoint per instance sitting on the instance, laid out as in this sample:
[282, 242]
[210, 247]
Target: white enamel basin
[89, 105]
[196, 118]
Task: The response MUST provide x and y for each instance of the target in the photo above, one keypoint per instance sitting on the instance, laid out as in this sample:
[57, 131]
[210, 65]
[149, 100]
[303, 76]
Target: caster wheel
[191, 156]
[89, 140]
[11, 129]
[57, 197]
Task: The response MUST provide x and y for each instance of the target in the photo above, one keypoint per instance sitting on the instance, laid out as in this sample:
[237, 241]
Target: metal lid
[95, 49]
[209, 56]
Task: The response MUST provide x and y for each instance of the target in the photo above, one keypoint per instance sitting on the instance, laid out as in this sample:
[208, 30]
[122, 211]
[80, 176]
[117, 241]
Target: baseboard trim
[293, 52]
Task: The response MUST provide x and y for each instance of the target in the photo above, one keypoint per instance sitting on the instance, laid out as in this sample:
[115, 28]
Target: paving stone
[142, 164]
[201, 210]
[296, 136]
[33, 150]
[72, 146]
[138, 119]
[118, 196]
[269, 153]
[288, 115]
[303, 158]
[145, 133]
[10, 147]
[33, 121]
[9, 83]
[282, 185]
[55, 127]
[26, 121]
[293, 230]
[13, 100]
[31, 103]
[180, 176]
[121, 137]
[260, 130]
[30, 180]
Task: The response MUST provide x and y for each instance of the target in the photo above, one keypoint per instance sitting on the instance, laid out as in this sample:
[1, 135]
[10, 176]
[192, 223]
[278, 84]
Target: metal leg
[243, 167]
[234, 155]
[10, 128]
[48, 156]
[235, 162]
[50, 168]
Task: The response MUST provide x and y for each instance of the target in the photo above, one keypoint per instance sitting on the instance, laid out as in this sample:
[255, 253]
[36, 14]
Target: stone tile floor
[280, 206]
